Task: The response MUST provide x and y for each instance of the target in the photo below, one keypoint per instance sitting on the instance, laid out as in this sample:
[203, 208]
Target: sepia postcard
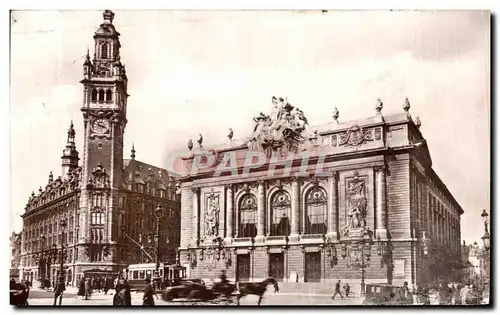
[252, 157]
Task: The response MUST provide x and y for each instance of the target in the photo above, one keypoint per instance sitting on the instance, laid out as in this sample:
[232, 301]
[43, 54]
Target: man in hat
[58, 290]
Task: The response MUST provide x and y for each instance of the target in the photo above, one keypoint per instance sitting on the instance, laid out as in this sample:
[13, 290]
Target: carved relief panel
[212, 212]
[356, 203]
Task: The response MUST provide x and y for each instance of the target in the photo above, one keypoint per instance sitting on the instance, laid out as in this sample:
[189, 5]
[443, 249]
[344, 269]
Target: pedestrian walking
[122, 295]
[81, 288]
[445, 294]
[463, 293]
[457, 297]
[98, 284]
[59, 290]
[403, 295]
[107, 284]
[337, 291]
[147, 299]
[88, 290]
[347, 289]
[473, 296]
[128, 297]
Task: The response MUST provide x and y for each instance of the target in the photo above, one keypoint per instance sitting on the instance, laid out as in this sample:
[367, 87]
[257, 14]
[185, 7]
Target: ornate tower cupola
[107, 45]
[70, 154]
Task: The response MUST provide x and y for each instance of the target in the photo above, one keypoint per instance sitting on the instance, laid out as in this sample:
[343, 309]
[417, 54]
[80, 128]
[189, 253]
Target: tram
[137, 273]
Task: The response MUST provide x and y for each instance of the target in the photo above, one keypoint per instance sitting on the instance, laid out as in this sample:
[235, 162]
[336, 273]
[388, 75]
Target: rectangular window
[399, 268]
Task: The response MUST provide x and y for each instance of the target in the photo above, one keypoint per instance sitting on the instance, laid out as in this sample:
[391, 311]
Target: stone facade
[105, 197]
[15, 254]
[318, 205]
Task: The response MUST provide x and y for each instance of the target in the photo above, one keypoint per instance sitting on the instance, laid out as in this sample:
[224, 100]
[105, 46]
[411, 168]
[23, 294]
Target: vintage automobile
[19, 294]
[181, 288]
[382, 294]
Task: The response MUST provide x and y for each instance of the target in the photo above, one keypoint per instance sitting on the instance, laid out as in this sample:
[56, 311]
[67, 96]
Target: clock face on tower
[100, 125]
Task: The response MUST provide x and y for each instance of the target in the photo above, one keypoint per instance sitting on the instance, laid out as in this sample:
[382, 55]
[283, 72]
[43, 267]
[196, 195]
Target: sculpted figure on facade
[286, 129]
[99, 177]
[212, 215]
[356, 206]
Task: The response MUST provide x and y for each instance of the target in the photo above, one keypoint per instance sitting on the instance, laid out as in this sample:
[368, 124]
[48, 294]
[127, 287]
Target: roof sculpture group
[286, 129]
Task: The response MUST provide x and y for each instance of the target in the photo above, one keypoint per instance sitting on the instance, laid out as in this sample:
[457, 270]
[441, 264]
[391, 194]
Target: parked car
[181, 288]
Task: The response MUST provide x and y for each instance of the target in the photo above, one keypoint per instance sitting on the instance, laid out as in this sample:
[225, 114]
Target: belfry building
[356, 201]
[100, 197]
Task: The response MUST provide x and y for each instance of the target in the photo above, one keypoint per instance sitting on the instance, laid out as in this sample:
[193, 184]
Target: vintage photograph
[253, 157]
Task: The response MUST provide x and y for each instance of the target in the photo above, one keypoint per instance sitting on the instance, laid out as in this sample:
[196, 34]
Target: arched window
[247, 216]
[108, 96]
[101, 96]
[280, 214]
[316, 215]
[104, 51]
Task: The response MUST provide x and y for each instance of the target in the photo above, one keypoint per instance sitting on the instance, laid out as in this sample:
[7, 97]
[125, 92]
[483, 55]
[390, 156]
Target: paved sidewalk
[269, 299]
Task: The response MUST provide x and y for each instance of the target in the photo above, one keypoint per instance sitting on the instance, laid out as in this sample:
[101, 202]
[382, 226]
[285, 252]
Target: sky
[196, 72]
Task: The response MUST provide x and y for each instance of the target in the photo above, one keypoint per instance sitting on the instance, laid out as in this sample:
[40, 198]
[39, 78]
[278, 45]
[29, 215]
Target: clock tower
[104, 114]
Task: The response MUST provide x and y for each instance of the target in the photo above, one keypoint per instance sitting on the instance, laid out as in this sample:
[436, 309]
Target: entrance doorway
[312, 267]
[243, 267]
[277, 266]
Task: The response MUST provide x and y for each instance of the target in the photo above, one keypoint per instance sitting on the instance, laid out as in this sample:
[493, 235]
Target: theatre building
[101, 201]
[356, 201]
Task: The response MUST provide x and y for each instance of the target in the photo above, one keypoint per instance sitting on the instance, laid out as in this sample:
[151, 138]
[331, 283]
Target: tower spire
[70, 154]
[71, 134]
[133, 152]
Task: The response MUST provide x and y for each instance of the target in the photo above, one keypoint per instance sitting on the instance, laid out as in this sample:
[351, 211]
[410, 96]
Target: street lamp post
[62, 224]
[486, 253]
[486, 235]
[158, 213]
[60, 287]
[42, 261]
[360, 245]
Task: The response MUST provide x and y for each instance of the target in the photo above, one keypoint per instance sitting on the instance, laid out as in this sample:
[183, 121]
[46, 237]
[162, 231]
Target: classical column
[261, 212]
[229, 218]
[196, 224]
[294, 220]
[447, 229]
[380, 206]
[109, 219]
[332, 232]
